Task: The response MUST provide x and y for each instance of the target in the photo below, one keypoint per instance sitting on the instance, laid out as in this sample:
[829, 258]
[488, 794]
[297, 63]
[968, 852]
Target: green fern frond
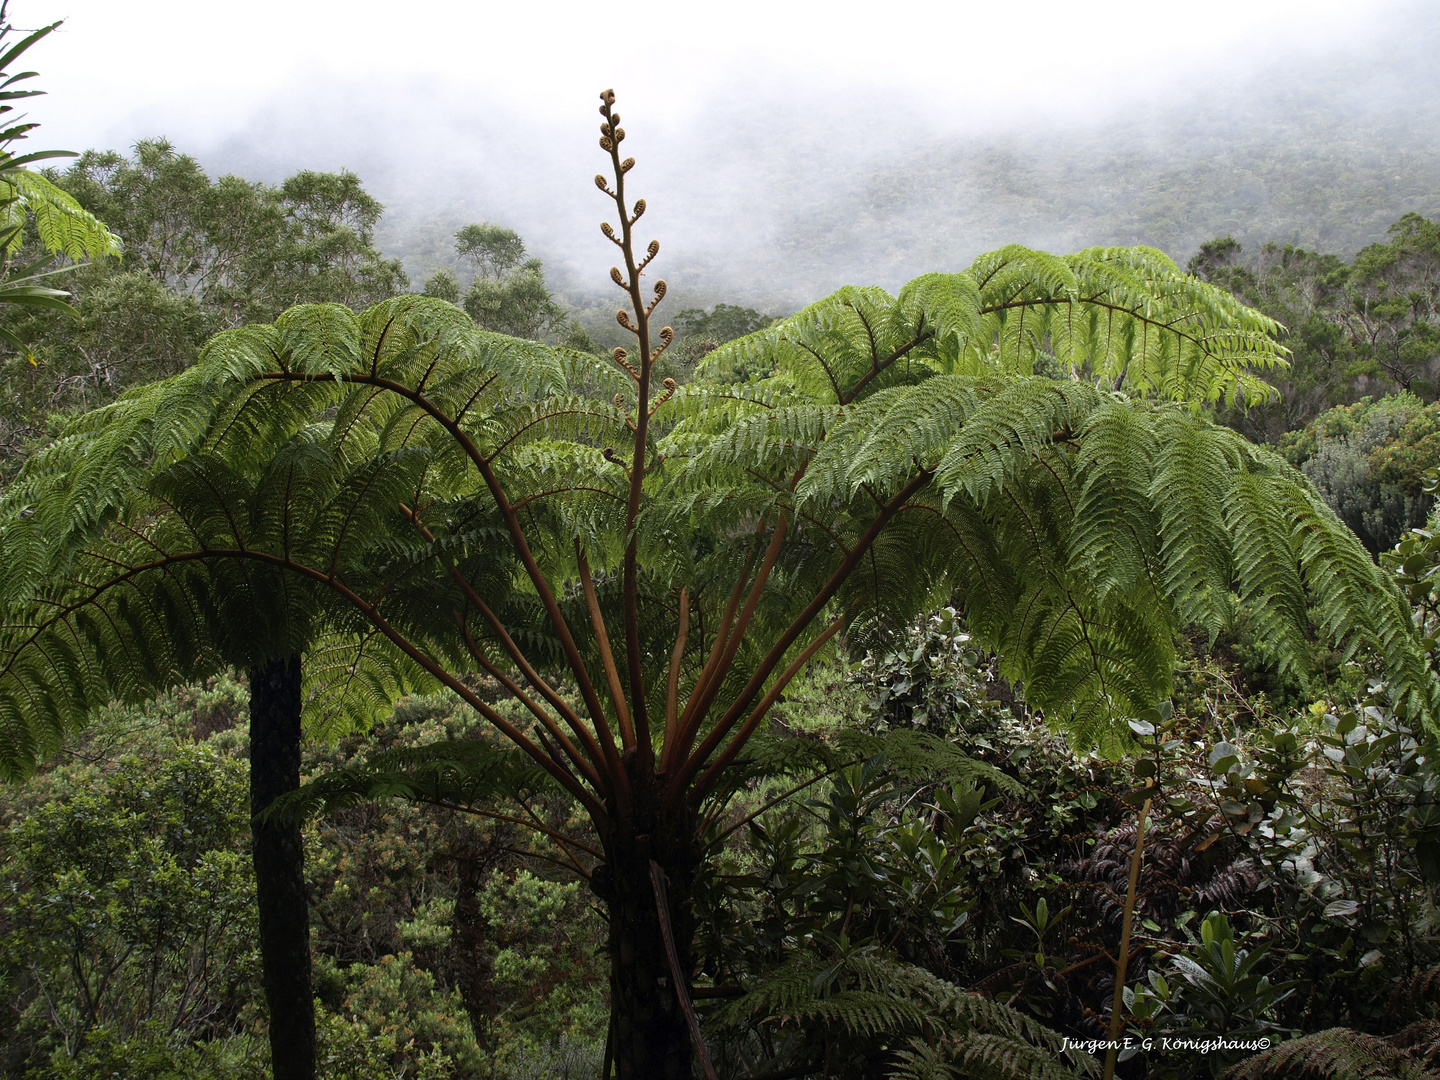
[949, 1032]
[1005, 433]
[1266, 564]
[921, 757]
[1114, 531]
[1333, 1054]
[459, 774]
[1192, 470]
[62, 224]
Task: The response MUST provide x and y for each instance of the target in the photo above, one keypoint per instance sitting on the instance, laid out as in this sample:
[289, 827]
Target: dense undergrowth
[1288, 887]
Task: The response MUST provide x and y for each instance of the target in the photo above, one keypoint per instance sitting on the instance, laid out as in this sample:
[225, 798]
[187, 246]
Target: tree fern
[297, 442]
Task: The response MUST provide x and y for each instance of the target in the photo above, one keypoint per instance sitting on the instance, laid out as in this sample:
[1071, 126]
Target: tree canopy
[199, 254]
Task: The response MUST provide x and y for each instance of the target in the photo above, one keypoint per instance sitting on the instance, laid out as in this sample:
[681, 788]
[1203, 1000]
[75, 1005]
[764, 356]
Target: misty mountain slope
[1322, 157]
[1331, 183]
[791, 193]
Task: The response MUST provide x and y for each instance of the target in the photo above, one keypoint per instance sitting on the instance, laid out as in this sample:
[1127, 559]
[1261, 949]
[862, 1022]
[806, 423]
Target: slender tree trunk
[280, 868]
[1117, 1007]
[651, 1039]
[471, 965]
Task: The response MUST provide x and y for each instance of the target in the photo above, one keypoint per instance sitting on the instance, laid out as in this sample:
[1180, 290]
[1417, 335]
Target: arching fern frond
[465, 773]
[1123, 317]
[950, 1032]
[1333, 1054]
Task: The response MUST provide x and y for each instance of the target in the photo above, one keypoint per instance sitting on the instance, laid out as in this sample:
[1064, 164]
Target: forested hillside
[199, 255]
[772, 208]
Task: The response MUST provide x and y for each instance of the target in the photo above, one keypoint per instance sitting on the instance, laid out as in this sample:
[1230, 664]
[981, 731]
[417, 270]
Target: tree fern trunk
[280, 868]
[651, 1036]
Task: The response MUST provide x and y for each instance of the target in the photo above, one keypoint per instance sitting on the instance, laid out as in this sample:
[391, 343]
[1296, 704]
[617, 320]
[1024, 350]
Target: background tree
[1369, 461]
[492, 250]
[447, 502]
[133, 904]
[507, 292]
[200, 255]
[443, 286]
[700, 332]
[1393, 293]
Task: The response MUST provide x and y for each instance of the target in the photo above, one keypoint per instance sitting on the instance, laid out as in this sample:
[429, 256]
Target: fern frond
[1114, 531]
[62, 224]
[950, 1032]
[1333, 1054]
[460, 774]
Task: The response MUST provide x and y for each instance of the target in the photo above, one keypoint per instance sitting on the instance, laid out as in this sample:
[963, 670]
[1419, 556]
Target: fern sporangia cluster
[409, 501]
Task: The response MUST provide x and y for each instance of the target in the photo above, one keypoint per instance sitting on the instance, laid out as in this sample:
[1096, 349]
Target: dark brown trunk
[472, 966]
[280, 868]
[651, 1036]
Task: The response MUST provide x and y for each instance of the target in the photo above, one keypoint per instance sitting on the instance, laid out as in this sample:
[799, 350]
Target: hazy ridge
[785, 199]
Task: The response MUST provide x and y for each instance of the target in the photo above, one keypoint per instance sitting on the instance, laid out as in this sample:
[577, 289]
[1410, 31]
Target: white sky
[197, 70]
[743, 114]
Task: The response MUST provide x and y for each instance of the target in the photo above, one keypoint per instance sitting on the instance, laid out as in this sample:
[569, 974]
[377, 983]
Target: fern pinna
[408, 501]
[61, 226]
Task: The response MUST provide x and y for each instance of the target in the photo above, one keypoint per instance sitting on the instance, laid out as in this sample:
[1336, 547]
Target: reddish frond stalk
[675, 750]
[777, 652]
[672, 691]
[592, 746]
[518, 693]
[734, 636]
[747, 729]
[602, 642]
[611, 137]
